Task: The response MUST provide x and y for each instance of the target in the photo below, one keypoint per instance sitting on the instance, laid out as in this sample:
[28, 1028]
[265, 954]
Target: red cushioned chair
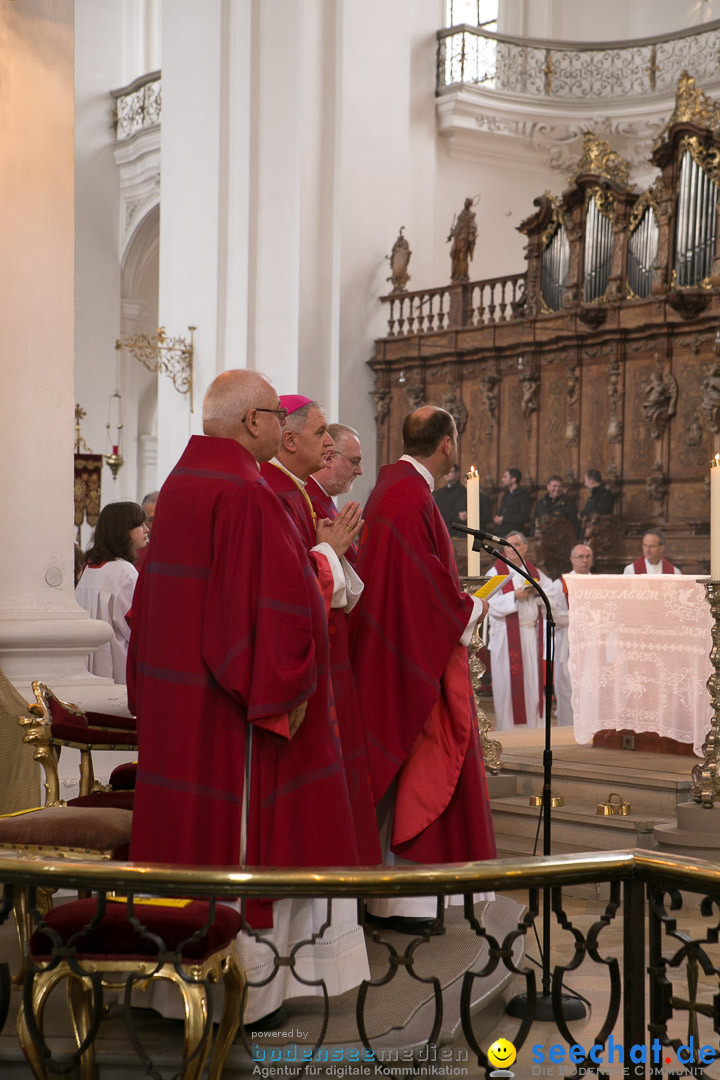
[60, 832]
[105, 942]
[53, 724]
[96, 825]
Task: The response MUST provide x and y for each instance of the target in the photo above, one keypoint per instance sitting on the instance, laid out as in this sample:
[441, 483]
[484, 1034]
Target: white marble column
[43, 632]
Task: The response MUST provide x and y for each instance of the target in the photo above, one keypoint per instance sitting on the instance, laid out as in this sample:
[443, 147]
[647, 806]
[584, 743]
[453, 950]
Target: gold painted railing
[660, 985]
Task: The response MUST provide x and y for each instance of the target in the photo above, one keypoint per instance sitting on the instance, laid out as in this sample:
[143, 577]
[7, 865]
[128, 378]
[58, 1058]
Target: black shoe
[379, 921]
[405, 924]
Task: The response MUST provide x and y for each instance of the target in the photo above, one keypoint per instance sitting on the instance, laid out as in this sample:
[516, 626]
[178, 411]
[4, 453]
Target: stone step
[575, 827]
[650, 786]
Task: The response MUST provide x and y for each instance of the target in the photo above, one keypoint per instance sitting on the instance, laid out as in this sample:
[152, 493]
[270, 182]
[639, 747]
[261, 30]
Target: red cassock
[229, 629]
[324, 507]
[322, 504]
[640, 568]
[413, 677]
[352, 734]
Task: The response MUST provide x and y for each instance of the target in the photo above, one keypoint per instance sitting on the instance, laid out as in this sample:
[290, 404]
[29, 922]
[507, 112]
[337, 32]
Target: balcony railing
[659, 983]
[469, 56]
[138, 105]
[470, 304]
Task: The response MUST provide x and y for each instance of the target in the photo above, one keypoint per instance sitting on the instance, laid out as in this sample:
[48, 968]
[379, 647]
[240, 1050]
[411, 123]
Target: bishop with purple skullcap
[293, 402]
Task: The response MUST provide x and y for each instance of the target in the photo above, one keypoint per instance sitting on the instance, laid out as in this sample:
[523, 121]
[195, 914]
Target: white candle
[715, 518]
[473, 518]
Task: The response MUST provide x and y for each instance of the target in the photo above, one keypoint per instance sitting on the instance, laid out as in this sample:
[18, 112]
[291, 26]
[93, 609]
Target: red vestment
[517, 670]
[352, 735]
[229, 628]
[324, 507]
[322, 504]
[640, 568]
[413, 678]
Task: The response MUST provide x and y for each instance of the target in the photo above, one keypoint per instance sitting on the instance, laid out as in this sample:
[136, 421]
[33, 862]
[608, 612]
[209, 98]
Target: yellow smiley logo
[502, 1053]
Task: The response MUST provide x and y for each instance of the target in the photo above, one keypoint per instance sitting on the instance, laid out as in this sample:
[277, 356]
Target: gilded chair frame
[191, 979]
[38, 734]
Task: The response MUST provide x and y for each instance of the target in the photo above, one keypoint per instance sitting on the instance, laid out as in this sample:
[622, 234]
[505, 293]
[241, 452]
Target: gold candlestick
[705, 785]
[491, 748]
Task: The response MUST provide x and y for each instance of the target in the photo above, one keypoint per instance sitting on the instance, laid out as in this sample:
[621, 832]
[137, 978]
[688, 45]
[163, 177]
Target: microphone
[480, 535]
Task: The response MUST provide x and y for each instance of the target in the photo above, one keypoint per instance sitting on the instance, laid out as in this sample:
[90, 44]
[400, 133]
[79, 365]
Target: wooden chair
[116, 944]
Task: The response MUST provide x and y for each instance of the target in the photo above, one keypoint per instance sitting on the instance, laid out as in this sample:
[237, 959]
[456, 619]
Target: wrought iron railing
[659, 986]
[137, 106]
[469, 56]
[472, 303]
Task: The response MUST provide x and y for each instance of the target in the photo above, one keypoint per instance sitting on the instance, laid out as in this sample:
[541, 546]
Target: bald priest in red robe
[408, 641]
[305, 445]
[229, 653]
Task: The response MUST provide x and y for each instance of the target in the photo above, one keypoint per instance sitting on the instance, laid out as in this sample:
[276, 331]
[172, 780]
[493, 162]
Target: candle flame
[472, 474]
[715, 463]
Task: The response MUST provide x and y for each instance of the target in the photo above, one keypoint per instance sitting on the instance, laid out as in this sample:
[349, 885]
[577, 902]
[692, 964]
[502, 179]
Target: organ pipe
[696, 223]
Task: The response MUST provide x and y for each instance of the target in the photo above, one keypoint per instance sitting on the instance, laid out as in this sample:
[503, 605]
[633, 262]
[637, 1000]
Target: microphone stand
[572, 1007]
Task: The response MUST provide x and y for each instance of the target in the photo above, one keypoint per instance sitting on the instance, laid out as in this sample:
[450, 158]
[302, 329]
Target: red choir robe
[413, 678]
[352, 734]
[640, 568]
[325, 507]
[517, 669]
[229, 629]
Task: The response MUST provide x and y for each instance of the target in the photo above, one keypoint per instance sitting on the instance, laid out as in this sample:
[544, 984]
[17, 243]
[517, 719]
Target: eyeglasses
[281, 414]
[356, 462]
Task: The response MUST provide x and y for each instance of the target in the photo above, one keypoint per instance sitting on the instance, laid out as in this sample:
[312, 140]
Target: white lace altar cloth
[639, 655]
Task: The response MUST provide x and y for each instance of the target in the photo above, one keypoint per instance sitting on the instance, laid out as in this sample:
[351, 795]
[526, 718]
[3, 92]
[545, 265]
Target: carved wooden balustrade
[474, 303]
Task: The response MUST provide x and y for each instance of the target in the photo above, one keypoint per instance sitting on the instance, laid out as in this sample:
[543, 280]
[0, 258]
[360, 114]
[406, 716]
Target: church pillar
[43, 632]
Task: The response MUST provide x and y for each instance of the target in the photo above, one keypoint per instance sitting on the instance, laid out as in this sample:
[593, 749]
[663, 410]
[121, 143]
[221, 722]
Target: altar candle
[473, 519]
[715, 518]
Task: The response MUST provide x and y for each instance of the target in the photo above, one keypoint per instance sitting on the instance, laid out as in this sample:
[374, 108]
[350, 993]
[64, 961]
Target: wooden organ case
[604, 354]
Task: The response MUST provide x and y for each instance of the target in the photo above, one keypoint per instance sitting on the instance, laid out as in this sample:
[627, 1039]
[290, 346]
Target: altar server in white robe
[581, 558]
[516, 644]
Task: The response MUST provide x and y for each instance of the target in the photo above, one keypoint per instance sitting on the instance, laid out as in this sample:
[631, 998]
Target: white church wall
[36, 215]
[205, 212]
[613, 20]
[114, 44]
[506, 188]
[139, 315]
[320, 193]
[98, 67]
[43, 632]
[141, 35]
[386, 167]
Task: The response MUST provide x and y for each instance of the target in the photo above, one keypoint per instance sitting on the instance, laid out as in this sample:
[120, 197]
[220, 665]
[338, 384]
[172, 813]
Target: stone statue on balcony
[463, 234]
[399, 259]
